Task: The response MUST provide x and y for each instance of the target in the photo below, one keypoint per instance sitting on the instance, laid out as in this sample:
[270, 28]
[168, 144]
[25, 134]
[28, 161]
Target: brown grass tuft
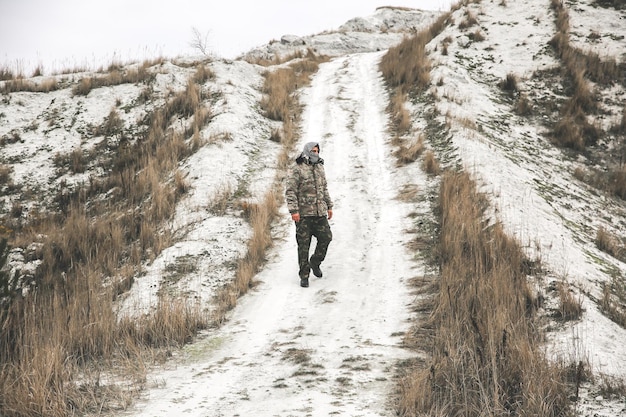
[407, 154]
[485, 356]
[430, 164]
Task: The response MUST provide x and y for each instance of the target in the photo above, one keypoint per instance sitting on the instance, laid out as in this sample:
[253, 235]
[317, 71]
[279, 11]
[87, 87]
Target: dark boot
[304, 282]
[316, 270]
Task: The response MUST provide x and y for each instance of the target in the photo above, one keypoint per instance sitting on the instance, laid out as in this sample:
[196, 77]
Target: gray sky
[64, 34]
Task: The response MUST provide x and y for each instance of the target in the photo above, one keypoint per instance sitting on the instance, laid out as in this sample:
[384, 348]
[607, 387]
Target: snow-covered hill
[333, 348]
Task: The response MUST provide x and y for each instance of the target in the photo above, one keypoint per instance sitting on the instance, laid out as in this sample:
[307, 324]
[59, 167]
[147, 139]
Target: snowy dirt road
[330, 349]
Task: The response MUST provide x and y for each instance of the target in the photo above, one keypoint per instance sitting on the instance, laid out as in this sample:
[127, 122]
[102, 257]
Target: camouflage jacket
[307, 191]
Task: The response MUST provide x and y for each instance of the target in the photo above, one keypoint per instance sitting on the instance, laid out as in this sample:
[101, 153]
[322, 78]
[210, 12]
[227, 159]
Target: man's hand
[330, 214]
[295, 217]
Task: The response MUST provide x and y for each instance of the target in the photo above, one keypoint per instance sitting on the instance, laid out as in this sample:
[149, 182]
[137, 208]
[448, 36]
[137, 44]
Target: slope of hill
[336, 347]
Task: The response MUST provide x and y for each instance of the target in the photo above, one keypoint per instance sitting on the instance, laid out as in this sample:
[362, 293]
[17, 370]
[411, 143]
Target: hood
[308, 156]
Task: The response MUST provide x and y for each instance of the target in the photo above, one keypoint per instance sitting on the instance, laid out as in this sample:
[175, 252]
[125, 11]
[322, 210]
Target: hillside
[164, 169]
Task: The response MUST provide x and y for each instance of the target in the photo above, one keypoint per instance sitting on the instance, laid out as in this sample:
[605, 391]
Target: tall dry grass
[485, 353]
[280, 101]
[574, 130]
[261, 217]
[92, 246]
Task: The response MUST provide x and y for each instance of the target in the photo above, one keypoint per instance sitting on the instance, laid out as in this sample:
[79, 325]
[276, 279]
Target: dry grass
[570, 305]
[111, 126]
[91, 247]
[400, 116]
[407, 154]
[610, 244]
[280, 103]
[220, 201]
[430, 163]
[523, 106]
[469, 21]
[579, 65]
[114, 77]
[485, 355]
[407, 66]
[261, 217]
[20, 84]
[613, 301]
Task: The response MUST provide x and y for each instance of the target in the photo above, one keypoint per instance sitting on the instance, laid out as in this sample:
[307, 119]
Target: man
[309, 204]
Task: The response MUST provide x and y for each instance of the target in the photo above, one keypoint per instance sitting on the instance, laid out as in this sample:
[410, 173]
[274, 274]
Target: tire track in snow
[331, 348]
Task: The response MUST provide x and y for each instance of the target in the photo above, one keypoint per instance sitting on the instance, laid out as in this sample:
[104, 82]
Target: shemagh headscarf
[311, 157]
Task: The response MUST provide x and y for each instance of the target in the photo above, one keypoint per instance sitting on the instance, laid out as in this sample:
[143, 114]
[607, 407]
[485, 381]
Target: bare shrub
[199, 42]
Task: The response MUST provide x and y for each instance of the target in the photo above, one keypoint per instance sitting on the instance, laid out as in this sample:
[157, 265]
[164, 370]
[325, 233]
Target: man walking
[311, 207]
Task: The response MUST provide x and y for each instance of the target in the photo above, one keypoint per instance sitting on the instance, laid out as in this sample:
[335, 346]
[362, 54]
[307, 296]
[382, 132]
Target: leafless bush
[199, 42]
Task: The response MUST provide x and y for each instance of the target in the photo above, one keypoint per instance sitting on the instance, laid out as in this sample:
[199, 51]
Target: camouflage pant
[305, 229]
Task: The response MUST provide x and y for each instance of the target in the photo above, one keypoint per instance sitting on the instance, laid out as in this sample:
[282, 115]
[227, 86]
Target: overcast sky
[63, 34]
